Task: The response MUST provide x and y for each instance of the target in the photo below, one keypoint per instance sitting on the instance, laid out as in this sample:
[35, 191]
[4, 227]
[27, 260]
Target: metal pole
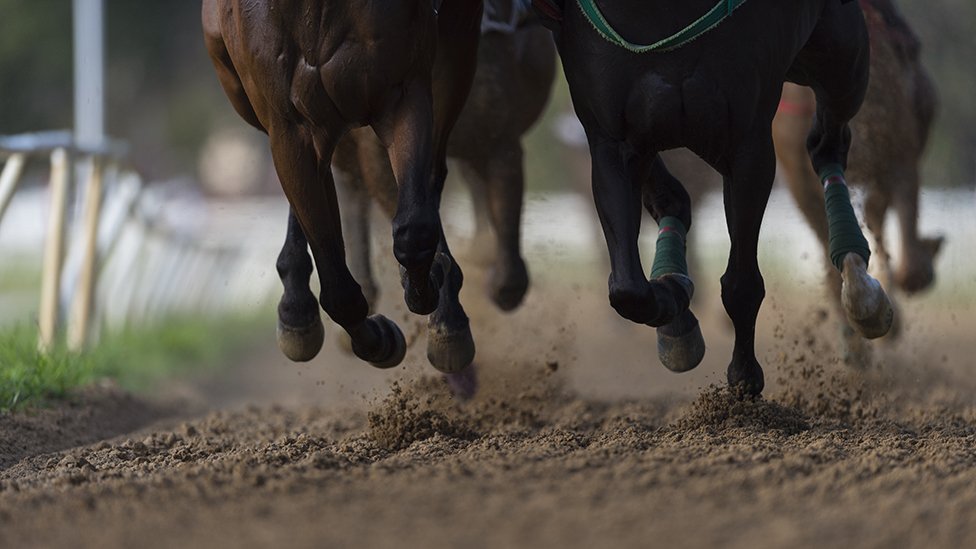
[89, 54]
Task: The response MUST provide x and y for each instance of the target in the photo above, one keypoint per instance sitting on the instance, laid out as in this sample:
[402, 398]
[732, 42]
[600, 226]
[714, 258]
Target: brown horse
[516, 68]
[306, 72]
[892, 128]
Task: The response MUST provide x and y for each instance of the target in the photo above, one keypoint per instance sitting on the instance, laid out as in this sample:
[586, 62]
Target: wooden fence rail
[119, 262]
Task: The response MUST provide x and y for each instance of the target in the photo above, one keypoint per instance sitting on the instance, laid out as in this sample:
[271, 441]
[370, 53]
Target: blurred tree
[161, 92]
[947, 29]
[163, 95]
[35, 65]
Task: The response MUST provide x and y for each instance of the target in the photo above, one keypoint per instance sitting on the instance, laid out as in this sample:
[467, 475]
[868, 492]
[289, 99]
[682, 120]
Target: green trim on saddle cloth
[705, 23]
[669, 255]
[845, 232]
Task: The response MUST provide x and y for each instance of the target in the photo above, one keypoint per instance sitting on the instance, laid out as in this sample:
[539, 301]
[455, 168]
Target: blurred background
[201, 214]
[165, 100]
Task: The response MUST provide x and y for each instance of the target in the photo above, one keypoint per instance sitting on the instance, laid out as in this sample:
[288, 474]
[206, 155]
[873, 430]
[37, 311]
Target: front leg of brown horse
[303, 166]
[790, 127]
[431, 277]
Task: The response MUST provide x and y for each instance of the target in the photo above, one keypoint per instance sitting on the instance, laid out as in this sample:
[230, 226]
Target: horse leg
[840, 85]
[481, 251]
[617, 195]
[416, 134]
[917, 269]
[746, 191]
[450, 347]
[509, 277]
[876, 205]
[680, 344]
[407, 132]
[306, 179]
[300, 330]
[791, 126]
[356, 207]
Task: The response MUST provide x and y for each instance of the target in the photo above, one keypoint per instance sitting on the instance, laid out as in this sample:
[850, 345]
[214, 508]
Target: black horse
[714, 89]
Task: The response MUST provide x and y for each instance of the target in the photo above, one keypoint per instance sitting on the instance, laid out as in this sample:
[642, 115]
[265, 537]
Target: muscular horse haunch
[308, 71]
[716, 95]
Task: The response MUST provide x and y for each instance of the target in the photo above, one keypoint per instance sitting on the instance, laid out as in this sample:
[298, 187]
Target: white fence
[124, 253]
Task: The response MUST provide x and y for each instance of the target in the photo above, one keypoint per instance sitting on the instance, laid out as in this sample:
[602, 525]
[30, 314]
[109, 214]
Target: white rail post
[81, 304]
[89, 68]
[53, 251]
[9, 179]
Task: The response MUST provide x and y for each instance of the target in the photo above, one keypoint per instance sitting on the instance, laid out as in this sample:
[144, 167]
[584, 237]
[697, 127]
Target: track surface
[578, 438]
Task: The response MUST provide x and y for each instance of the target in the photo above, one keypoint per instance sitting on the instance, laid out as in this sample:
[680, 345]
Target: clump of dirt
[519, 396]
[815, 381]
[416, 412]
[719, 409]
[837, 394]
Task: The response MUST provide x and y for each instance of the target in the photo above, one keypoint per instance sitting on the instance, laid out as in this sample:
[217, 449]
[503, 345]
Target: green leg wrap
[845, 233]
[669, 255]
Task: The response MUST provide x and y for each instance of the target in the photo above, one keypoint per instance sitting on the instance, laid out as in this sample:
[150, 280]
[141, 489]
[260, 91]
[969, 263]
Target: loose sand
[577, 438]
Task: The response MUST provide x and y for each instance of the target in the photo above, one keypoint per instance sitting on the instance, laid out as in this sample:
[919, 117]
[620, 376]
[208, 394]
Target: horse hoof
[507, 292]
[393, 344]
[423, 300]
[866, 304]
[878, 323]
[463, 384]
[747, 378]
[450, 351]
[894, 333]
[301, 344]
[680, 344]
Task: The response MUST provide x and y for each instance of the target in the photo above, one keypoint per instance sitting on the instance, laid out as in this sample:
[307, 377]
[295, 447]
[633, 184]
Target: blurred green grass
[136, 358]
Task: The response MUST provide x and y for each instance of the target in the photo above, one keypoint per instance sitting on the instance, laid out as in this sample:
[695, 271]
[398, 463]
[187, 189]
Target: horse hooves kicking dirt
[892, 129]
[713, 86]
[307, 86]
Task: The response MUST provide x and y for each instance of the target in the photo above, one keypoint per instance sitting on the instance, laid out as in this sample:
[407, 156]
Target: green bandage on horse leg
[669, 255]
[845, 233]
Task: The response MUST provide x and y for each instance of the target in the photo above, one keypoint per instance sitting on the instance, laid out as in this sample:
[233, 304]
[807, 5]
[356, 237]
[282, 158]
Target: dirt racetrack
[578, 438]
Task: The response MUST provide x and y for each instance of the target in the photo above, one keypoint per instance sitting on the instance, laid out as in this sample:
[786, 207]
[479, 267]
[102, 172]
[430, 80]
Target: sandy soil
[577, 438]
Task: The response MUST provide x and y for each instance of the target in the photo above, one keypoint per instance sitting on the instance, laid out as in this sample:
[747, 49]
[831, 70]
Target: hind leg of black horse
[746, 192]
[680, 344]
[835, 64]
[306, 177]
